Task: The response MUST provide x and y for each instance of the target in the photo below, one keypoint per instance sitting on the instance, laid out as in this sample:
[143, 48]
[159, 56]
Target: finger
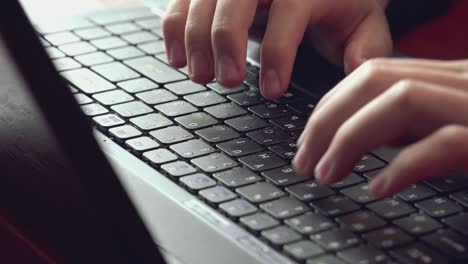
[351, 94]
[407, 108]
[426, 159]
[173, 30]
[198, 40]
[231, 24]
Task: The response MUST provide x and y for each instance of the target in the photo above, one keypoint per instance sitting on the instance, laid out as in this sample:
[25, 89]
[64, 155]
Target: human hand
[394, 102]
[211, 36]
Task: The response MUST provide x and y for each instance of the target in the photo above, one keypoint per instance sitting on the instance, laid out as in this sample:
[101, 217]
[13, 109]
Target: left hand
[391, 102]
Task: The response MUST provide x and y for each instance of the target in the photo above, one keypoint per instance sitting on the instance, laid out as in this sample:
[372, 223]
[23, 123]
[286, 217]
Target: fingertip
[378, 187]
[271, 85]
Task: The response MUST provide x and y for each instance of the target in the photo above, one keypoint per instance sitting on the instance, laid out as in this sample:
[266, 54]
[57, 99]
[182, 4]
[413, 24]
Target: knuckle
[372, 70]
[454, 137]
[405, 92]
[223, 30]
[196, 35]
[173, 21]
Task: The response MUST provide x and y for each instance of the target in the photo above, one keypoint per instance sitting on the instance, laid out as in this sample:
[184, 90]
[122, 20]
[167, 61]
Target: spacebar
[155, 70]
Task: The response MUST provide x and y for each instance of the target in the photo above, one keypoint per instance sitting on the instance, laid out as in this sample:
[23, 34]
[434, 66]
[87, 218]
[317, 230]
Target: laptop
[111, 156]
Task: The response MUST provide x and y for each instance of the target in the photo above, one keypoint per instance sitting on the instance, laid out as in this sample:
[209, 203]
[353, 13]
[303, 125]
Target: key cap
[281, 235]
[196, 120]
[77, 48]
[449, 183]
[335, 205]
[156, 96]
[176, 108]
[290, 123]
[137, 85]
[246, 123]
[155, 70]
[151, 121]
[449, 242]
[87, 81]
[142, 144]
[461, 197]
[240, 147]
[204, 99]
[417, 224]
[285, 207]
[113, 97]
[160, 156]
[283, 176]
[171, 135]
[388, 237]
[417, 253]
[132, 109]
[262, 161]
[326, 259]
[64, 25]
[93, 109]
[247, 98]
[351, 179]
[125, 132]
[108, 120]
[61, 38]
[192, 148]
[269, 136]
[386, 154]
[108, 43]
[217, 134]
[368, 163]
[335, 240]
[223, 90]
[439, 207]
[310, 223]
[290, 96]
[64, 64]
[269, 110]
[252, 79]
[459, 222]
[94, 58]
[305, 106]
[286, 150]
[416, 192]
[238, 208]
[124, 53]
[149, 23]
[259, 221]
[92, 33]
[119, 16]
[391, 208]
[122, 28]
[197, 181]
[153, 48]
[54, 53]
[214, 162]
[362, 221]
[303, 249]
[310, 190]
[185, 87]
[181, 168]
[217, 194]
[359, 193]
[139, 37]
[364, 254]
[237, 177]
[82, 99]
[224, 111]
[115, 72]
[260, 192]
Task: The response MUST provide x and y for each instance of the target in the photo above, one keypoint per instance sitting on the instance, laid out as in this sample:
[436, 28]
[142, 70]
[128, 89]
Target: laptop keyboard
[232, 149]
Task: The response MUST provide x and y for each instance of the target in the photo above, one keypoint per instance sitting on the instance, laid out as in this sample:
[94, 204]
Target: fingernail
[300, 140]
[323, 171]
[300, 162]
[226, 70]
[176, 53]
[197, 62]
[270, 84]
[379, 186]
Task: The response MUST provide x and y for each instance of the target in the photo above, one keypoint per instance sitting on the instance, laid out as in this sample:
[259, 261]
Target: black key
[391, 208]
[61, 38]
[185, 87]
[205, 99]
[310, 190]
[289, 97]
[368, 163]
[269, 110]
[113, 97]
[326, 259]
[197, 181]
[362, 221]
[160, 156]
[417, 253]
[417, 224]
[139, 37]
[303, 250]
[247, 98]
[461, 197]
[196, 120]
[179, 168]
[305, 107]
[439, 207]
[284, 176]
[416, 192]
[108, 120]
[115, 72]
[176, 108]
[310, 223]
[238, 208]
[92, 33]
[269, 136]
[335, 205]
[157, 96]
[155, 70]
[217, 134]
[122, 28]
[142, 143]
[387, 237]
[132, 109]
[82, 99]
[237, 177]
[385, 153]
[336, 240]
[108, 43]
[449, 183]
[224, 111]
[151, 121]
[351, 179]
[192, 148]
[252, 80]
[449, 242]
[262, 161]
[285, 150]
[359, 193]
[214, 162]
[290, 123]
[125, 132]
[223, 90]
[260, 192]
[171, 135]
[124, 53]
[284, 207]
[459, 222]
[281, 235]
[259, 221]
[87, 81]
[217, 194]
[240, 147]
[77, 48]
[370, 175]
[137, 85]
[94, 58]
[93, 109]
[246, 123]
[364, 254]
